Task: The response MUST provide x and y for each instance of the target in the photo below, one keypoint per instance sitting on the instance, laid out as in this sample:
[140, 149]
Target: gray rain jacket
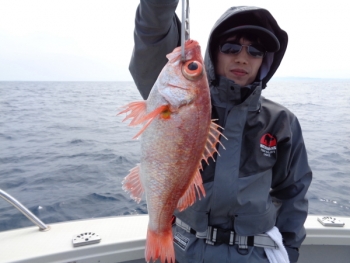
[262, 177]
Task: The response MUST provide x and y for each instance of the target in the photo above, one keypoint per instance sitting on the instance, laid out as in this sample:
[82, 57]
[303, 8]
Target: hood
[247, 15]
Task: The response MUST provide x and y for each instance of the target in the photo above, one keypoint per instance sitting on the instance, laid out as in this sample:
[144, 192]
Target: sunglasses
[234, 48]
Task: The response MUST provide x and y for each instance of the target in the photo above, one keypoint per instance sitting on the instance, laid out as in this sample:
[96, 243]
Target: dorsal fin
[196, 188]
[213, 138]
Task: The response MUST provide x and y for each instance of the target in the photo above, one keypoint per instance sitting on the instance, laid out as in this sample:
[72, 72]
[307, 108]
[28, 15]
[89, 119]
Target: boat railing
[24, 211]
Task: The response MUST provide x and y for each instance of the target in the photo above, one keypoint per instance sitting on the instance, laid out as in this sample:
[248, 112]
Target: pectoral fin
[138, 112]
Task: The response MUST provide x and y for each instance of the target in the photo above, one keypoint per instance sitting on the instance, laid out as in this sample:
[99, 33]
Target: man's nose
[243, 56]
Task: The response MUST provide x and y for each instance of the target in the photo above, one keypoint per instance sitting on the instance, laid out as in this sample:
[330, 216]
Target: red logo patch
[268, 140]
[268, 144]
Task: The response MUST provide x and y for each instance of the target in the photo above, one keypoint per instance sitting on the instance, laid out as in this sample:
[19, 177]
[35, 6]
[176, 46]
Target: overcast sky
[50, 40]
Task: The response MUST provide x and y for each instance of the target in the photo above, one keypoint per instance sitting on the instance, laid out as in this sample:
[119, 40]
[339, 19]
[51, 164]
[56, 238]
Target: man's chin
[240, 81]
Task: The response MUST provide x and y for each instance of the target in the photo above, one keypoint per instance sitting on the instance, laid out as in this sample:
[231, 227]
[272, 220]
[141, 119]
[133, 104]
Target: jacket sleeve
[157, 32]
[292, 178]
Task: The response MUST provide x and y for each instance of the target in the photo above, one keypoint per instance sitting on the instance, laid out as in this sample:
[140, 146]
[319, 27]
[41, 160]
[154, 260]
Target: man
[261, 179]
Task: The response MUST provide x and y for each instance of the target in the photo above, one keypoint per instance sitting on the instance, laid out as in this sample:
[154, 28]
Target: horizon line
[277, 77]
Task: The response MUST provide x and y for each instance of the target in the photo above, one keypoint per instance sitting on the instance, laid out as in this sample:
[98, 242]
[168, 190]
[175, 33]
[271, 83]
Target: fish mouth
[176, 86]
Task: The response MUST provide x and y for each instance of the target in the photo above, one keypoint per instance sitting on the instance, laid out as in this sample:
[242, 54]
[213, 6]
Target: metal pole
[185, 27]
[24, 210]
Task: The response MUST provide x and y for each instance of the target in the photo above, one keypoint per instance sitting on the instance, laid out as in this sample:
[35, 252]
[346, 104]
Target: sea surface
[64, 152]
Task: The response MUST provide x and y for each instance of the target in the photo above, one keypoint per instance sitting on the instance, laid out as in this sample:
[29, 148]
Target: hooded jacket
[262, 177]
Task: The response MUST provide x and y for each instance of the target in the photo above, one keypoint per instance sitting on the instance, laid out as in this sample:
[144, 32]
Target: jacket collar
[227, 94]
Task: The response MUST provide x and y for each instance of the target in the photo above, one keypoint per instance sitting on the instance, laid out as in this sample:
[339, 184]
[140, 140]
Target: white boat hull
[123, 240]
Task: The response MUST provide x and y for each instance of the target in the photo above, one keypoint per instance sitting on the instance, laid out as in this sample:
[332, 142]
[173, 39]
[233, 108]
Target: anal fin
[133, 185]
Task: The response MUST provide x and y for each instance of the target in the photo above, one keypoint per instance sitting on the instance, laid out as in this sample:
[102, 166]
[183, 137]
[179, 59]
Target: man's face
[242, 68]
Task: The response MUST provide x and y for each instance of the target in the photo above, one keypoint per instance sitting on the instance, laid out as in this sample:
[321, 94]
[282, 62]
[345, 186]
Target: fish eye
[192, 66]
[192, 69]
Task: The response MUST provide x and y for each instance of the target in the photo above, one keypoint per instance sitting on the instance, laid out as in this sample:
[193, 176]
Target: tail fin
[160, 245]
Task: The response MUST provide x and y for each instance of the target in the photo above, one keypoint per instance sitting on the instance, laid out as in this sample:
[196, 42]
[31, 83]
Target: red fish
[177, 134]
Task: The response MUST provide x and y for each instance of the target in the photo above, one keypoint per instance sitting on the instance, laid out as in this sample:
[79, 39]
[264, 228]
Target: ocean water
[64, 152]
